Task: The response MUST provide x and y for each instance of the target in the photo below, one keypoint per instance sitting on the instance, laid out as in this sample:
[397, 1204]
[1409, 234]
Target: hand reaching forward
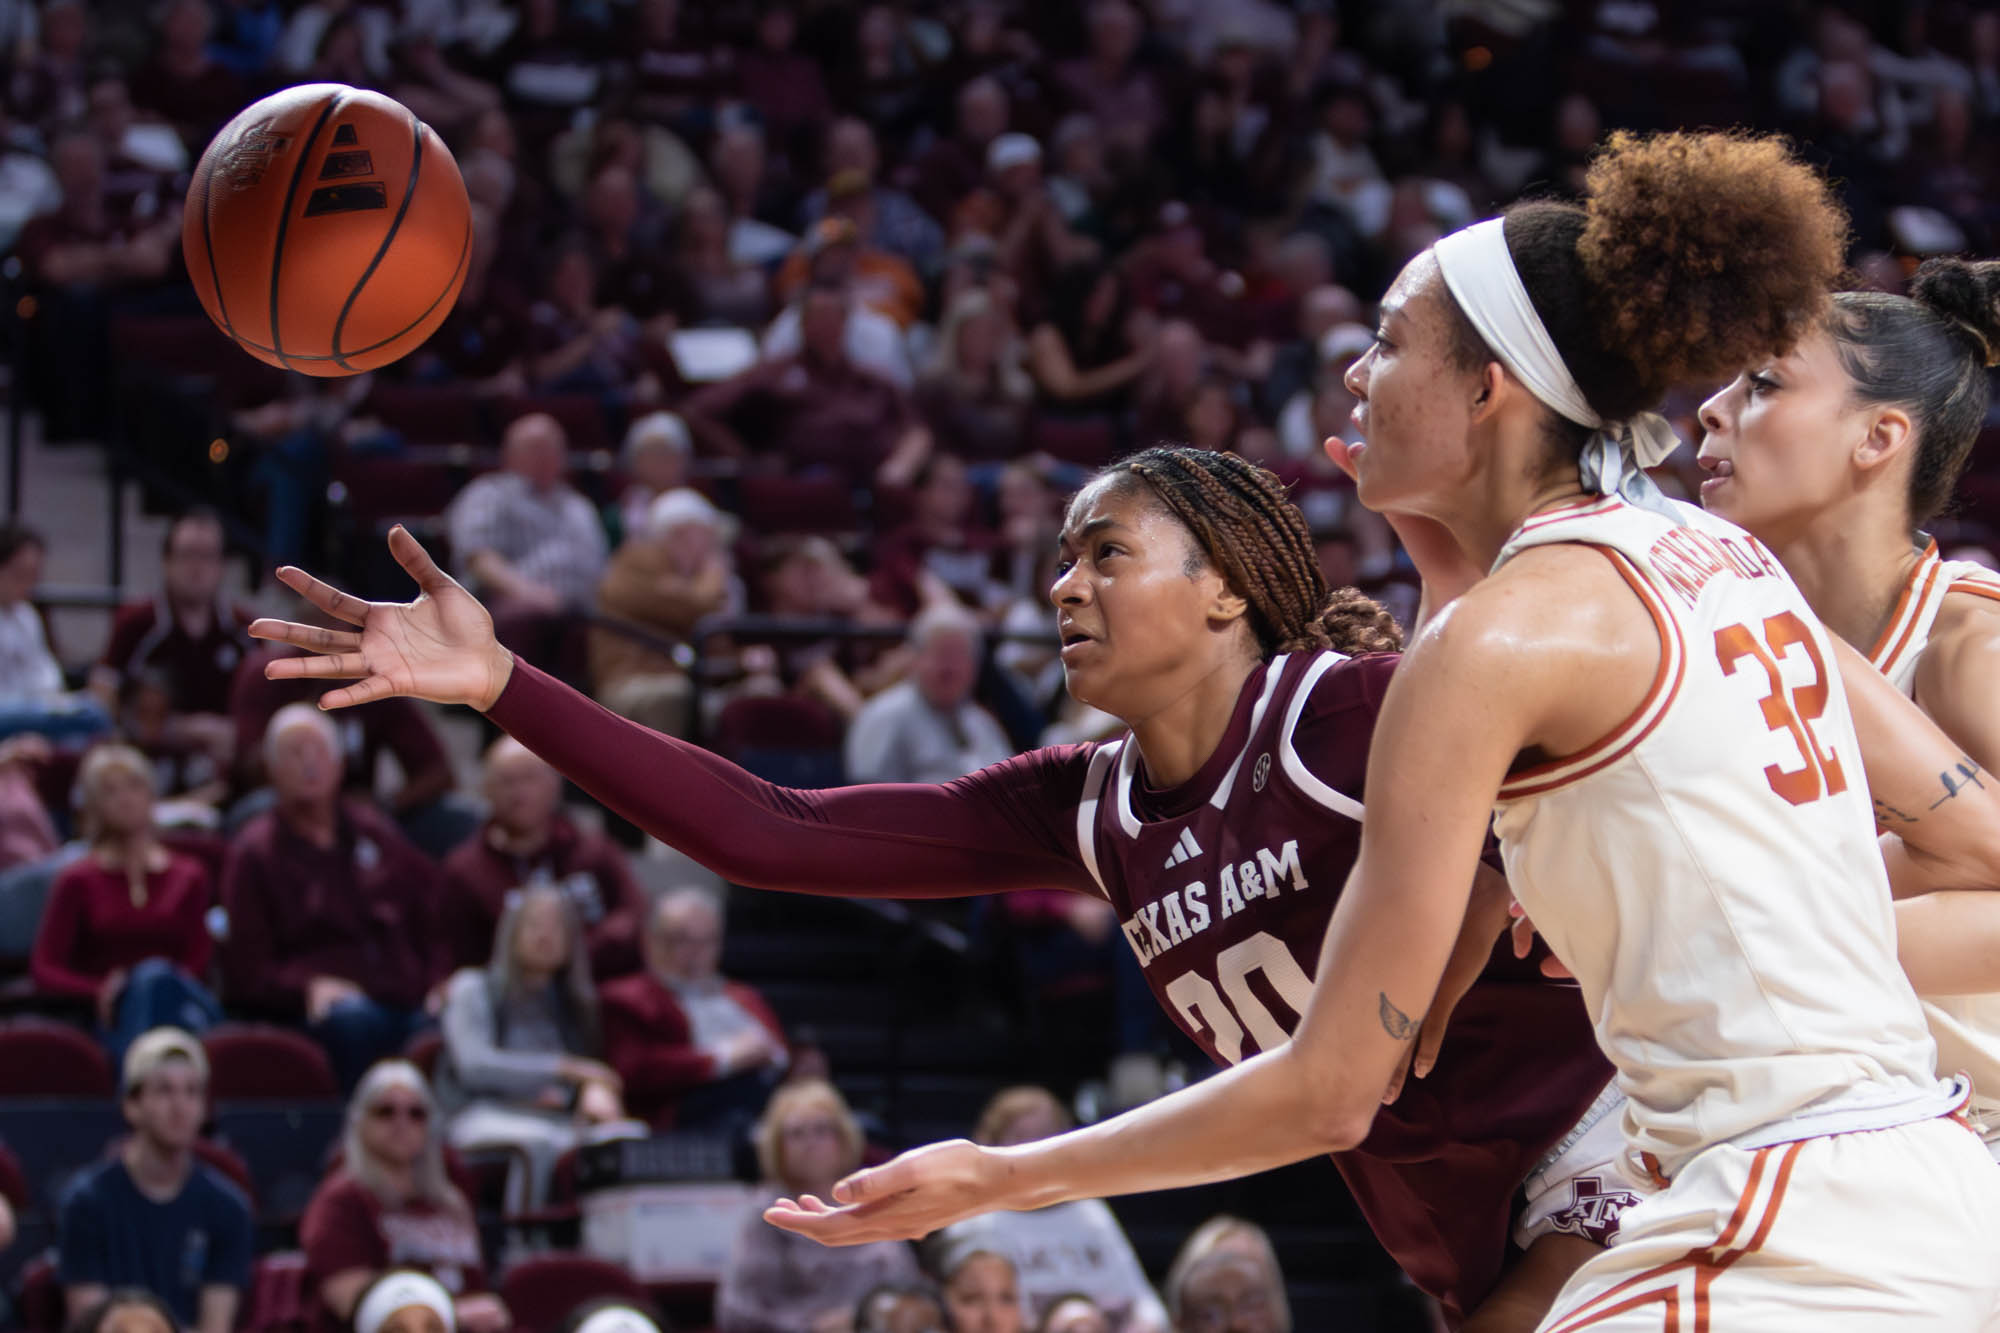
[439, 647]
[904, 1199]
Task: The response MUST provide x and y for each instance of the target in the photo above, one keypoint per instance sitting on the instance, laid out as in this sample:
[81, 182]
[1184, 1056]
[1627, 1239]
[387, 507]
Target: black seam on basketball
[208, 246]
[464, 247]
[402, 210]
[277, 347]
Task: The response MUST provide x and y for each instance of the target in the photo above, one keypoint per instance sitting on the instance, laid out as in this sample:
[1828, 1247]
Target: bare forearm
[1949, 942]
[1259, 1115]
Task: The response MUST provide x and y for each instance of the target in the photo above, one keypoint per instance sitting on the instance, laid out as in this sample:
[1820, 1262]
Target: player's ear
[1225, 604]
[1889, 434]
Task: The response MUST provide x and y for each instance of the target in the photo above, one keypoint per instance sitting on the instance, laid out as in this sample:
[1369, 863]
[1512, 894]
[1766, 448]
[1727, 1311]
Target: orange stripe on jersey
[1978, 588]
[1638, 724]
[1705, 1263]
[1909, 609]
[1562, 513]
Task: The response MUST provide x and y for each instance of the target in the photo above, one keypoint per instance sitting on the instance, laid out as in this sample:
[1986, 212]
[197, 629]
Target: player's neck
[1176, 739]
[1496, 508]
[1851, 566]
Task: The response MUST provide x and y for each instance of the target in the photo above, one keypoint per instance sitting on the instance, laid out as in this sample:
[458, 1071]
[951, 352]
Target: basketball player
[1836, 455]
[1191, 606]
[1645, 697]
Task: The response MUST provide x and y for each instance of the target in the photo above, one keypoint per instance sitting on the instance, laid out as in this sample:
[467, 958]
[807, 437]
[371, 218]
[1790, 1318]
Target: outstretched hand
[439, 647]
[904, 1199]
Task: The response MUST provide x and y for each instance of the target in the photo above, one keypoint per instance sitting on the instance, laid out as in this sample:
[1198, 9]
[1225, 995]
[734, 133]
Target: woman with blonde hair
[521, 1041]
[977, 394]
[1072, 1249]
[779, 1283]
[126, 925]
[1194, 1282]
[390, 1202]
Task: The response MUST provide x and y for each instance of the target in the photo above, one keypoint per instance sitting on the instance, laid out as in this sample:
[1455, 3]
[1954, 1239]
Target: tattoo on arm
[1957, 778]
[1394, 1021]
[1888, 814]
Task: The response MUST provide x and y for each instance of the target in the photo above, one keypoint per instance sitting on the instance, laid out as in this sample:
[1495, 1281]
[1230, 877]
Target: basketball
[327, 230]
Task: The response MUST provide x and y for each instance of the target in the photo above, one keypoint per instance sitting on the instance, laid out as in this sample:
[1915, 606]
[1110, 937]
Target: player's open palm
[439, 647]
[905, 1199]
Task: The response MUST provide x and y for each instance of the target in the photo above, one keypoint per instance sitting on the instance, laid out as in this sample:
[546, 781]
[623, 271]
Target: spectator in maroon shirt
[977, 396]
[1110, 83]
[182, 83]
[529, 840]
[126, 925]
[190, 633]
[389, 1205]
[695, 1050]
[332, 913]
[817, 410]
[678, 77]
[783, 83]
[952, 168]
[941, 543]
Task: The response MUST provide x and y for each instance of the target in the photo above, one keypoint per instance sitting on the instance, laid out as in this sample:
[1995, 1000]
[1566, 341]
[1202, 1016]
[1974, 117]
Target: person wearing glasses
[389, 1204]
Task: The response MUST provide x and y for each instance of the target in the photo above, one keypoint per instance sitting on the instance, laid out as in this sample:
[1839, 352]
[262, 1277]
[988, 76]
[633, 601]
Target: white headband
[1480, 272]
[617, 1319]
[400, 1291]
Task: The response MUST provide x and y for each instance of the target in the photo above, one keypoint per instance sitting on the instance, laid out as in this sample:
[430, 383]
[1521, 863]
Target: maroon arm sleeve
[55, 941]
[1010, 826]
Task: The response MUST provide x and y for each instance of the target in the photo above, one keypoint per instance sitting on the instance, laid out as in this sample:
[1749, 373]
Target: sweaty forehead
[1119, 496]
[1415, 289]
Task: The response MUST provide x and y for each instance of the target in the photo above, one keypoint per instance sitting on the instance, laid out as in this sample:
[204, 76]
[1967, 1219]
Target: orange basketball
[327, 230]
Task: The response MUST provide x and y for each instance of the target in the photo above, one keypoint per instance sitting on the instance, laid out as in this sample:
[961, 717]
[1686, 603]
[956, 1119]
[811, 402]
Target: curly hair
[1691, 255]
[1246, 528]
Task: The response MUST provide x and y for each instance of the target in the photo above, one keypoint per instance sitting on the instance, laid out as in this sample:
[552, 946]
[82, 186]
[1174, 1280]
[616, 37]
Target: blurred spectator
[305, 36]
[126, 1310]
[32, 693]
[1072, 1248]
[900, 1308]
[145, 163]
[1084, 355]
[27, 834]
[528, 543]
[895, 221]
[246, 35]
[977, 397]
[1344, 175]
[1109, 82]
[655, 461]
[723, 287]
[190, 632]
[182, 82]
[1182, 360]
[1015, 208]
[867, 338]
[741, 165]
[333, 915]
[483, 339]
[528, 841]
[928, 729]
[390, 1205]
[666, 578]
[982, 1290]
[679, 76]
[403, 1301]
[882, 82]
[82, 257]
[953, 167]
[818, 409]
[1074, 1314]
[1077, 178]
[633, 273]
[612, 1314]
[580, 341]
[835, 251]
[154, 1216]
[776, 1281]
[696, 1050]
[940, 548]
[519, 1068]
[126, 926]
[51, 70]
[781, 82]
[1296, 360]
[1226, 1277]
[807, 578]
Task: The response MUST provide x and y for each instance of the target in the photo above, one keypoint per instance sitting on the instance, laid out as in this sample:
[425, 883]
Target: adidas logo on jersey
[1187, 851]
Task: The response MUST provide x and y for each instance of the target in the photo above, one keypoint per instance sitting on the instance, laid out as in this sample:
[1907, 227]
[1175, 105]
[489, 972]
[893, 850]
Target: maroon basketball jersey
[1225, 886]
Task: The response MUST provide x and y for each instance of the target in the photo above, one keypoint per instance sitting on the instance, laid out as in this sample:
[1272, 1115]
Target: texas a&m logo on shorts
[1593, 1210]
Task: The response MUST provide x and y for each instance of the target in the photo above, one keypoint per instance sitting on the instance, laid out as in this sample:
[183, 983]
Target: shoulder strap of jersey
[1976, 579]
[1128, 762]
[1288, 755]
[1916, 607]
[1102, 760]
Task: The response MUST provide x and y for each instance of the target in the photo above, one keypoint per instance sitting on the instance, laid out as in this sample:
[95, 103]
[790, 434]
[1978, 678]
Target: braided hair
[1246, 528]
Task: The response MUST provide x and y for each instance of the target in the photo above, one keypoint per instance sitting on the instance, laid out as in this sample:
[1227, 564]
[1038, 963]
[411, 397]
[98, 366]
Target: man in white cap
[153, 1216]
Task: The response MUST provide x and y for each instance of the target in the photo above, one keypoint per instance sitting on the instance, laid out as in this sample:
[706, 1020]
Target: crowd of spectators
[787, 327]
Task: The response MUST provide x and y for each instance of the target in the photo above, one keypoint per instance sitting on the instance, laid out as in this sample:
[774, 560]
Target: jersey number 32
[1793, 710]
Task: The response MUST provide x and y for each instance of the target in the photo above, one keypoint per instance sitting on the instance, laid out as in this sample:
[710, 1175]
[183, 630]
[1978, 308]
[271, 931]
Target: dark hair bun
[1968, 294]
[1705, 251]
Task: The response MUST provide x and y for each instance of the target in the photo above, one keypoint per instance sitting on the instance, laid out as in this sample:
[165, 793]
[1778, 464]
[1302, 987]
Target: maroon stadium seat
[427, 413]
[776, 722]
[254, 1062]
[38, 1297]
[276, 1302]
[423, 1052]
[775, 504]
[1088, 441]
[542, 1290]
[43, 1059]
[14, 1182]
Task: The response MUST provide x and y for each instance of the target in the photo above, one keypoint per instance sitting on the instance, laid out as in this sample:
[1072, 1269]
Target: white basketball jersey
[1709, 870]
[1966, 1027]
